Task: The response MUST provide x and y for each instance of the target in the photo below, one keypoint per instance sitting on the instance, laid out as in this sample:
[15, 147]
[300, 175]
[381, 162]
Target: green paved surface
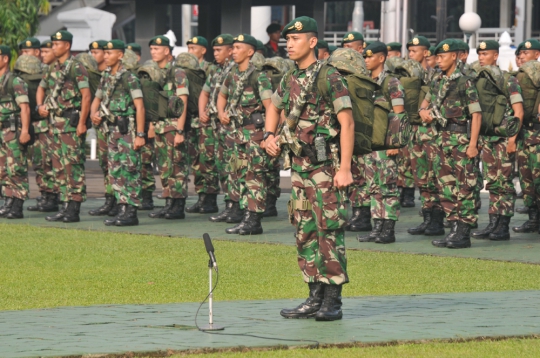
[522, 247]
[147, 328]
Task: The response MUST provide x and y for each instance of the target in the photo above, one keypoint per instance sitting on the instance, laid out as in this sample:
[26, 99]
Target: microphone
[210, 249]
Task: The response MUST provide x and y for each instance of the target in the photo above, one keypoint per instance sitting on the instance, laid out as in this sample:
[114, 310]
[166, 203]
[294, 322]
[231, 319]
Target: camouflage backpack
[494, 98]
[130, 61]
[529, 80]
[94, 75]
[156, 100]
[275, 68]
[196, 78]
[29, 69]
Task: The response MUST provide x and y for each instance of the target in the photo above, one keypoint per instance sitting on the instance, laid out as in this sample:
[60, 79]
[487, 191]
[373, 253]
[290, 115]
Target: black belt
[533, 126]
[5, 124]
[249, 120]
[309, 150]
[455, 127]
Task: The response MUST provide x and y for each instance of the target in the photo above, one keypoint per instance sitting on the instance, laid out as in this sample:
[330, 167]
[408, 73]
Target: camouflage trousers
[203, 161]
[404, 165]
[424, 158]
[382, 177]
[124, 167]
[148, 181]
[498, 168]
[68, 157]
[225, 148]
[102, 144]
[173, 165]
[457, 178]
[14, 165]
[359, 190]
[318, 212]
[42, 163]
[529, 167]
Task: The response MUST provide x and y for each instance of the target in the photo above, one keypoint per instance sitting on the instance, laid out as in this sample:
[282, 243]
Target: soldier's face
[198, 51]
[222, 53]
[47, 56]
[112, 57]
[446, 60]
[4, 62]
[300, 45]
[418, 53]
[463, 56]
[60, 48]
[431, 61]
[355, 45]
[393, 53]
[99, 56]
[528, 55]
[518, 61]
[241, 52]
[373, 62]
[159, 53]
[31, 52]
[323, 54]
[488, 57]
[275, 36]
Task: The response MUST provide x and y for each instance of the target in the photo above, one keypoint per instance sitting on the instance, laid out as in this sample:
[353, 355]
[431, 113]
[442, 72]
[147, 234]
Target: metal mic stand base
[211, 327]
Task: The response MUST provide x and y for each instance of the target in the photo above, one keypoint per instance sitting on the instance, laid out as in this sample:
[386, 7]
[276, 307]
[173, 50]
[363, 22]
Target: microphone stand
[211, 326]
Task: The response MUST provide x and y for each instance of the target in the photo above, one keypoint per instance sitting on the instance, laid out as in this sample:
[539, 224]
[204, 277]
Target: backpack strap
[384, 89]
[462, 89]
[322, 85]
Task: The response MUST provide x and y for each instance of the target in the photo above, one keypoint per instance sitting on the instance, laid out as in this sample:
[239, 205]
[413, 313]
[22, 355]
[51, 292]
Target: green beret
[198, 40]
[223, 40]
[62, 35]
[97, 45]
[273, 28]
[46, 44]
[321, 44]
[160, 41]
[375, 47]
[351, 37]
[463, 46]
[419, 41]
[332, 48]
[448, 45]
[431, 51]
[488, 45]
[30, 42]
[393, 46]
[115, 45]
[246, 39]
[135, 47]
[5, 51]
[530, 44]
[300, 25]
[260, 45]
[367, 43]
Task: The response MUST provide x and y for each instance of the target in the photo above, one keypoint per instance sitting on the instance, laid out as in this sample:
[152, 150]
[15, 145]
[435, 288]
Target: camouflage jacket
[319, 116]
[9, 102]
[176, 84]
[207, 67]
[395, 93]
[125, 87]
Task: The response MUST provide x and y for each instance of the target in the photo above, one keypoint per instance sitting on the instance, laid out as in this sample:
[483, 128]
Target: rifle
[104, 111]
[50, 100]
[212, 101]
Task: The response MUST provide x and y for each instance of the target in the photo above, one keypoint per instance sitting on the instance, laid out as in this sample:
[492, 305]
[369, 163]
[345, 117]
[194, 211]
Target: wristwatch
[37, 108]
[141, 134]
[180, 131]
[268, 134]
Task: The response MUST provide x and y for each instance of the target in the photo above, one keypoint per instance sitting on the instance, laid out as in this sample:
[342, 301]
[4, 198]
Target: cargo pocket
[331, 213]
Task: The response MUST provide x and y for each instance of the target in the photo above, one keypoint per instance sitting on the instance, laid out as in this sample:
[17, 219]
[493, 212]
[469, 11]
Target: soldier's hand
[426, 117]
[178, 139]
[343, 179]
[139, 143]
[225, 119]
[271, 146]
[511, 147]
[81, 129]
[204, 117]
[472, 152]
[263, 144]
[96, 119]
[24, 137]
[43, 112]
[392, 152]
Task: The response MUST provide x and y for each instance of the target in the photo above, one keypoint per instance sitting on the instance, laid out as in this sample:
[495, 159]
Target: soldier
[170, 141]
[354, 40]
[30, 46]
[272, 46]
[394, 49]
[118, 101]
[431, 59]
[14, 134]
[135, 47]
[454, 101]
[47, 54]
[198, 46]
[498, 154]
[97, 50]
[424, 152]
[381, 166]
[243, 98]
[68, 106]
[323, 50]
[317, 205]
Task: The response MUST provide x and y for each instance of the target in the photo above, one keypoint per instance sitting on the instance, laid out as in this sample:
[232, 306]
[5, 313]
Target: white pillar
[471, 6]
[388, 21]
[186, 24]
[521, 9]
[405, 28]
[504, 15]
[528, 20]
[261, 17]
[507, 58]
[358, 16]
[87, 24]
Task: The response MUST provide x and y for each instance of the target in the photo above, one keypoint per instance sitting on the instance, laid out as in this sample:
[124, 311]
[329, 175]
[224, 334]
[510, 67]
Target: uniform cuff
[22, 99]
[277, 100]
[224, 90]
[266, 94]
[398, 102]
[99, 94]
[136, 93]
[43, 84]
[83, 84]
[475, 107]
[182, 92]
[342, 103]
[206, 88]
[516, 98]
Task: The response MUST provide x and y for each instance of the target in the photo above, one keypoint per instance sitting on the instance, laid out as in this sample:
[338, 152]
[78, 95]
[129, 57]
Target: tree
[19, 19]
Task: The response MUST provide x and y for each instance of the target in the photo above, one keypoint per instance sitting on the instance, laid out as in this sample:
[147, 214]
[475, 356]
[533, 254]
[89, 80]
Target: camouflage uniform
[41, 157]
[13, 155]
[359, 190]
[123, 161]
[318, 210]
[102, 146]
[68, 151]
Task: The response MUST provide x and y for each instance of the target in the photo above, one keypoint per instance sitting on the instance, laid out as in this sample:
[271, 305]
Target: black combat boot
[447, 224]
[271, 209]
[176, 211]
[523, 210]
[462, 239]
[235, 214]
[484, 234]
[129, 216]
[160, 214]
[450, 236]
[49, 204]
[115, 210]
[209, 204]
[236, 228]
[147, 202]
[420, 229]
[355, 217]
[362, 221]
[59, 216]
[197, 206]
[377, 228]
[72, 212]
[331, 307]
[16, 211]
[408, 198]
[530, 225]
[436, 225]
[110, 202]
[502, 231]
[309, 308]
[387, 235]
[252, 225]
[39, 200]
[6, 208]
[121, 211]
[222, 217]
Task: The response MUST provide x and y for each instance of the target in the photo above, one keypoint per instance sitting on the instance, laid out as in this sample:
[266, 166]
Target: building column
[314, 9]
[521, 21]
[389, 21]
[261, 17]
[505, 13]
